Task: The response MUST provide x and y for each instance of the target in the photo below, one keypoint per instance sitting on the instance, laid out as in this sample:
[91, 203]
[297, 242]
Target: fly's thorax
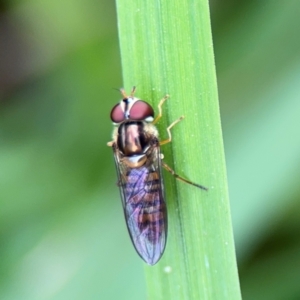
[134, 137]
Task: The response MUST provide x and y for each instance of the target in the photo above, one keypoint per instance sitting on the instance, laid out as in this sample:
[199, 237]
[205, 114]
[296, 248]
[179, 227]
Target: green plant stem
[166, 48]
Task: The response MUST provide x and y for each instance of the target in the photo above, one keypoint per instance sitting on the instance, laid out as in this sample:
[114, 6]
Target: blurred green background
[62, 230]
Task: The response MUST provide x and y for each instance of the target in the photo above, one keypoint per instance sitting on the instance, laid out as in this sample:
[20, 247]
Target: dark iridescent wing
[144, 205]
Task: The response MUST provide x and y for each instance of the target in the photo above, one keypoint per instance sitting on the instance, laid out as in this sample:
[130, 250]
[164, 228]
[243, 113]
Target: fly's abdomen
[146, 213]
[152, 217]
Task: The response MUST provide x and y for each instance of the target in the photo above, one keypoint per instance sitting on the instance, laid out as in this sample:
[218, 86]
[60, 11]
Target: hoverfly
[138, 162]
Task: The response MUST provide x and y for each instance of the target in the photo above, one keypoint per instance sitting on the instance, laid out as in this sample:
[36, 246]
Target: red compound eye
[117, 114]
[141, 110]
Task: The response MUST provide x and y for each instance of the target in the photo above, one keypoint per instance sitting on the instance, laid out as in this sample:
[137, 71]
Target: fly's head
[131, 108]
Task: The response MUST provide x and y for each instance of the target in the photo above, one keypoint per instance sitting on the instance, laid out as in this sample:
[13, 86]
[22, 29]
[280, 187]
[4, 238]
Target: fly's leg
[169, 169]
[113, 142]
[181, 178]
[169, 139]
[161, 102]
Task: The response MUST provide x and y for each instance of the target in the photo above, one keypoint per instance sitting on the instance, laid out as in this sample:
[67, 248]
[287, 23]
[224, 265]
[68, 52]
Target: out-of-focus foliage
[257, 50]
[62, 232]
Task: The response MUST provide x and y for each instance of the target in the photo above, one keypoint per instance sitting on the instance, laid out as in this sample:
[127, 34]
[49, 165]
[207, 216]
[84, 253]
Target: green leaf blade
[166, 48]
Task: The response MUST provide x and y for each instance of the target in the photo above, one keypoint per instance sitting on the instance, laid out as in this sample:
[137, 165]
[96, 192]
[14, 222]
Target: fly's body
[137, 157]
[138, 161]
